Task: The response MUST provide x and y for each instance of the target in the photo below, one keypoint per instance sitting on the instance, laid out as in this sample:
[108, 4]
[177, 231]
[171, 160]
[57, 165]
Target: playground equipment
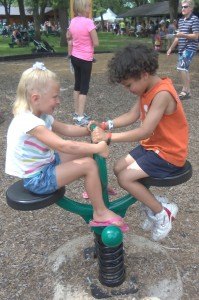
[108, 240]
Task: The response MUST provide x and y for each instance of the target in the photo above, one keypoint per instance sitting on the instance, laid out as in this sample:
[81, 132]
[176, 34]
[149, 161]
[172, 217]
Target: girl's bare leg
[70, 171]
[120, 165]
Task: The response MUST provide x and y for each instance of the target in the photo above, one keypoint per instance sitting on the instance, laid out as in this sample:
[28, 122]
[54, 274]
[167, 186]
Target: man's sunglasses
[185, 6]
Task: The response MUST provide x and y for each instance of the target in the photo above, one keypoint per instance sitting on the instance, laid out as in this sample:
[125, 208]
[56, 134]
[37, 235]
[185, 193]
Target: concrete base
[150, 272]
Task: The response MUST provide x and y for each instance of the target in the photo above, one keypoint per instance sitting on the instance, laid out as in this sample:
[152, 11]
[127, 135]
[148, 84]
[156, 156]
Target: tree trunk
[173, 9]
[42, 11]
[63, 24]
[102, 21]
[7, 11]
[37, 21]
[22, 13]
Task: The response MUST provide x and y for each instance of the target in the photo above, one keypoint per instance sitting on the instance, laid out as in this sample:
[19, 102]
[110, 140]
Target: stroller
[42, 47]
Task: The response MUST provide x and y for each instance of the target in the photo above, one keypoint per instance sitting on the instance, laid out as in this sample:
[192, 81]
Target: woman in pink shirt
[83, 38]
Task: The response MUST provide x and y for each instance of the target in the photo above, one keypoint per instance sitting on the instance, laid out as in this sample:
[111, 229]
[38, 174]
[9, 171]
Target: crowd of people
[6, 30]
[18, 34]
[158, 29]
[21, 36]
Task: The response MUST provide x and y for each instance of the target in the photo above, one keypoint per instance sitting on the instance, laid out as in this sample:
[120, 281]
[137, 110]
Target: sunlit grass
[108, 42]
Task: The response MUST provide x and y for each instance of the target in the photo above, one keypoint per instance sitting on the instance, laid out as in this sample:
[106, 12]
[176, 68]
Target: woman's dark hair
[131, 62]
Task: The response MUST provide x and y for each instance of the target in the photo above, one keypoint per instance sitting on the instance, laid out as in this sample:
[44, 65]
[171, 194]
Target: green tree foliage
[100, 6]
[196, 8]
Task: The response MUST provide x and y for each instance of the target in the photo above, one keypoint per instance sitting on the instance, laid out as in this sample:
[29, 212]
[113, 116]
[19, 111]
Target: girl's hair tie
[39, 65]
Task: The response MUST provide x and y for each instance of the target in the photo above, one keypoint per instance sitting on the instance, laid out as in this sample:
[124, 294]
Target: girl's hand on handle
[103, 149]
[98, 135]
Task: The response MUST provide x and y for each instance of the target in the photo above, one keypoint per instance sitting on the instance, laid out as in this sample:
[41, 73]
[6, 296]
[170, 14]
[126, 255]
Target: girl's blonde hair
[33, 80]
[80, 6]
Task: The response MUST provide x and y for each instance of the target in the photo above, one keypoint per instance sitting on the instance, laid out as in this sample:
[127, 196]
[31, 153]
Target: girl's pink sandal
[113, 221]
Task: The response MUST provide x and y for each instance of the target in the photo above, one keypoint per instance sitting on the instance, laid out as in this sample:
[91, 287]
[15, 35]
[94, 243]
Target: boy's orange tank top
[170, 138]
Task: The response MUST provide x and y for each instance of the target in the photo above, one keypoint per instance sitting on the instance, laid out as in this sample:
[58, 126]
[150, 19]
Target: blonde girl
[36, 152]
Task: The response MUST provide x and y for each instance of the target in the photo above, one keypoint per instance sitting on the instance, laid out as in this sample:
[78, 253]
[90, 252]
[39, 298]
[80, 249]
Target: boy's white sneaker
[149, 216]
[163, 221]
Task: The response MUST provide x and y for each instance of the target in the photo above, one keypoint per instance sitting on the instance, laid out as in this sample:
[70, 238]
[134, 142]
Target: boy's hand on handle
[98, 135]
[103, 149]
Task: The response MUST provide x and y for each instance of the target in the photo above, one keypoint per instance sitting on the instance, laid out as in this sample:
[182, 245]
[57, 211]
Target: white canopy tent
[109, 16]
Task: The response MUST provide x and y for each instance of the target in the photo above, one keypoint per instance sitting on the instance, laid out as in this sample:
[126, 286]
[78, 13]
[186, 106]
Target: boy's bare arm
[124, 120]
[128, 118]
[162, 103]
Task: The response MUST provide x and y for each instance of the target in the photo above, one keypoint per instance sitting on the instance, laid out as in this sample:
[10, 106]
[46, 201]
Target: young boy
[163, 132]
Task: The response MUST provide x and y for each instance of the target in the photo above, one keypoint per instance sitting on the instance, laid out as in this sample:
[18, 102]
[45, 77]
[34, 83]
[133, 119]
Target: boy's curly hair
[131, 62]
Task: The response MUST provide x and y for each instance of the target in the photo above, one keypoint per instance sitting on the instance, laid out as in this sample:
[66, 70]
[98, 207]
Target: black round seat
[21, 199]
[179, 178]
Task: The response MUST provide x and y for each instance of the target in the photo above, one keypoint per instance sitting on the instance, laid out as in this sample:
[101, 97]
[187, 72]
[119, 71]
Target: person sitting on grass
[45, 161]
[163, 132]
[16, 37]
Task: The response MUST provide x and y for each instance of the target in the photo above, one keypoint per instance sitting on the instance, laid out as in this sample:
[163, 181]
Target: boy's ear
[145, 75]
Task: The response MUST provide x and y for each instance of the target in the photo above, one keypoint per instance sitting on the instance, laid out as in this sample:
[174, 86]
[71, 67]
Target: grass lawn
[108, 42]
[111, 42]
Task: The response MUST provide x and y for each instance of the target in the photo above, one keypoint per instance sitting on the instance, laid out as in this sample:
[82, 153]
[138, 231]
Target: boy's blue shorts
[45, 182]
[152, 164]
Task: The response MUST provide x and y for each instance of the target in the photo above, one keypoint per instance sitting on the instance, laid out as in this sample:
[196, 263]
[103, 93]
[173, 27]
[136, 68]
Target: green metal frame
[119, 205]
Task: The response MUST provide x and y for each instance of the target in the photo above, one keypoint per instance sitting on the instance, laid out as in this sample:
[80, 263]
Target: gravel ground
[29, 239]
